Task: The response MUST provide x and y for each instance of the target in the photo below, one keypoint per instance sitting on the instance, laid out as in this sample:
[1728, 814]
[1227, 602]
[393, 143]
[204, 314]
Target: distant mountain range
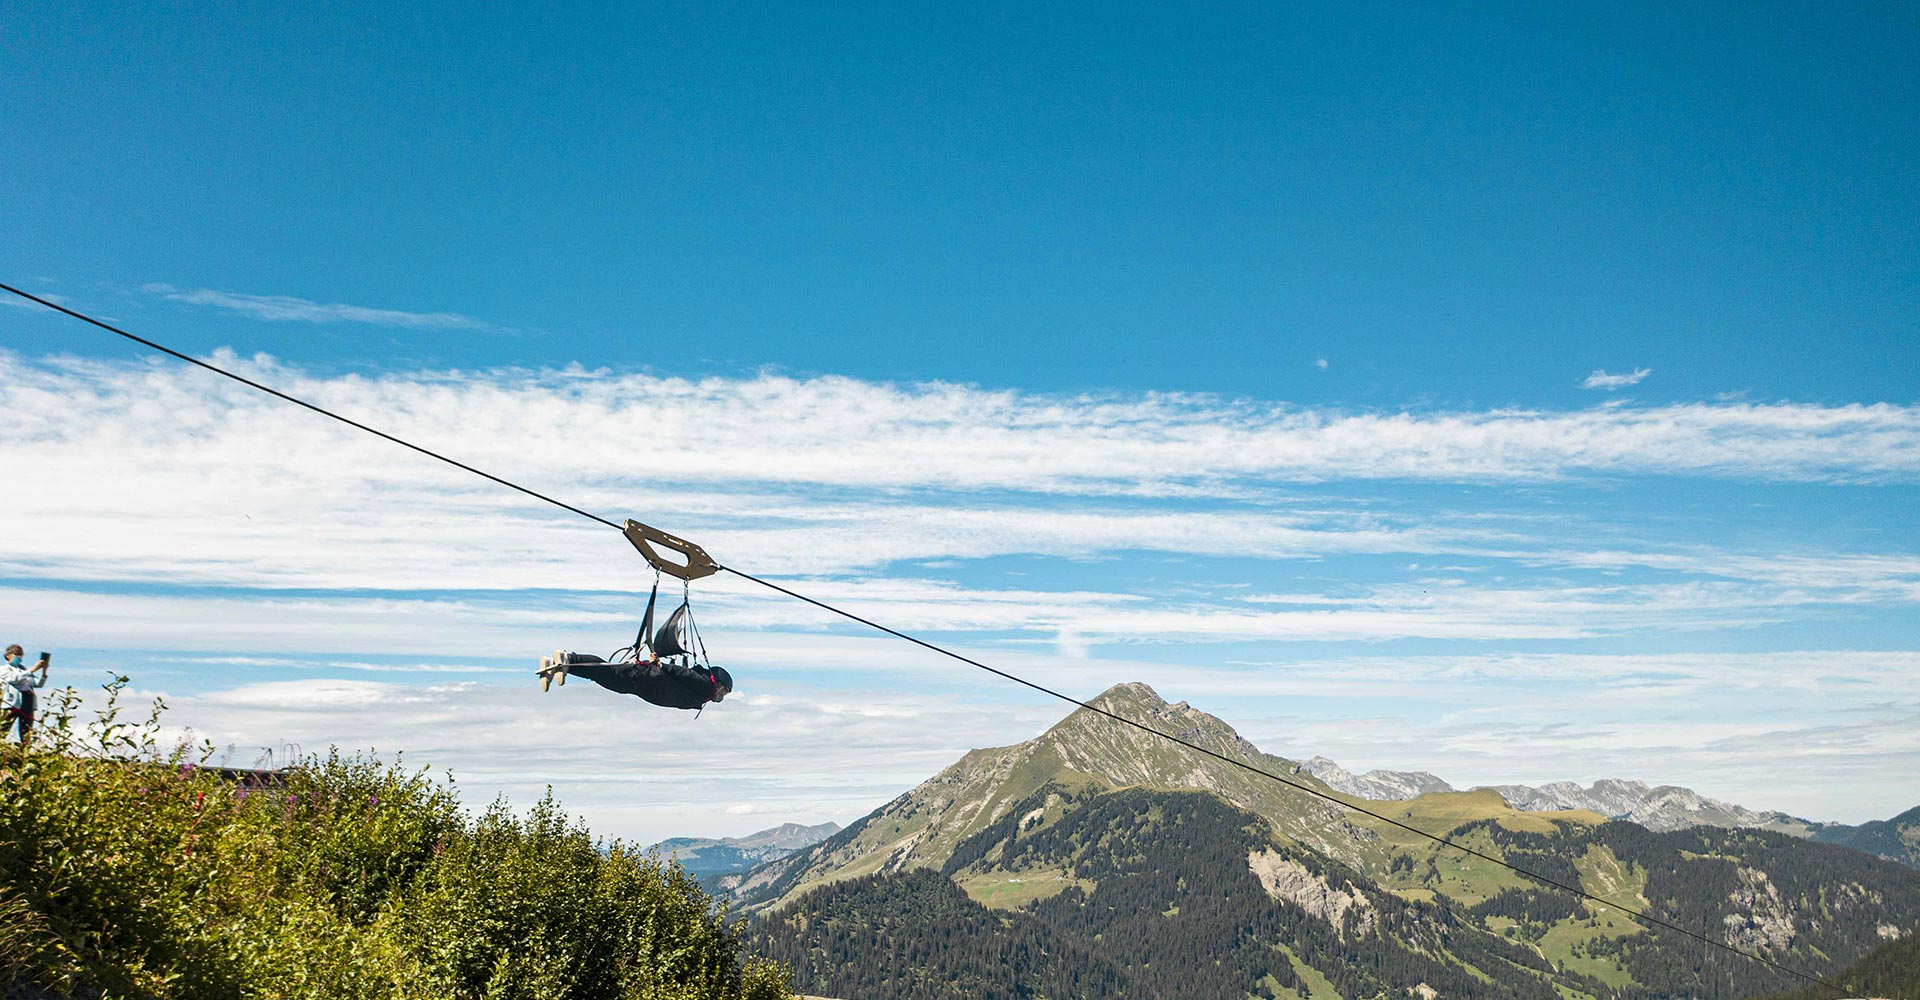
[1099, 861]
[1383, 785]
[706, 858]
[1657, 807]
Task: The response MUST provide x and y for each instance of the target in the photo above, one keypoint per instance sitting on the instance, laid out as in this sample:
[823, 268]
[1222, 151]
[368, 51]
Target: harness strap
[646, 623]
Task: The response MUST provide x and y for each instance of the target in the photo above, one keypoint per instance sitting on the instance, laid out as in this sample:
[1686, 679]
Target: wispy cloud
[617, 430]
[1600, 379]
[16, 302]
[288, 309]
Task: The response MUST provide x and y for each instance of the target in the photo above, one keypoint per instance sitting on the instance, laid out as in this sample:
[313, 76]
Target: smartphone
[45, 656]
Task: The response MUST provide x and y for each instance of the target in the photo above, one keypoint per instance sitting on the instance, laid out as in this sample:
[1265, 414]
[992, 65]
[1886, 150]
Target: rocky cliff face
[1292, 881]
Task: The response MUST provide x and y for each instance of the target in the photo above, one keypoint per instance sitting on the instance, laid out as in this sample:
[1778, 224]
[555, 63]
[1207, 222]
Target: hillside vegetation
[128, 872]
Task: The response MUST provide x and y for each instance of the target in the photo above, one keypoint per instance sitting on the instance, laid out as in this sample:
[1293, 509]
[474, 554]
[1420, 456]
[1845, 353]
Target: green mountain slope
[1183, 898]
[1897, 838]
[1193, 878]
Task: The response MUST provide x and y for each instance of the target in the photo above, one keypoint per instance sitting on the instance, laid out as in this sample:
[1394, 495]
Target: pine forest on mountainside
[1091, 862]
[1891, 970]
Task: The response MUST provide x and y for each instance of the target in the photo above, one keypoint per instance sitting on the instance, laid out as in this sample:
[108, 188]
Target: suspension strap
[646, 623]
[697, 648]
[699, 644]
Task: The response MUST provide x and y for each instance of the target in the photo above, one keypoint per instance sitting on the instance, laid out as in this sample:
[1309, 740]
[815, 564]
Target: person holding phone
[18, 683]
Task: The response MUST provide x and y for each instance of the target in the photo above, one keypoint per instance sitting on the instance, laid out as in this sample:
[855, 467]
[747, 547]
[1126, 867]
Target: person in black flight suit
[660, 681]
[661, 666]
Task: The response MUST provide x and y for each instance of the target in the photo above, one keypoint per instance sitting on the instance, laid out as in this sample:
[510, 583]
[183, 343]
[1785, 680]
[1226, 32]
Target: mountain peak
[1086, 749]
[1090, 743]
[1129, 694]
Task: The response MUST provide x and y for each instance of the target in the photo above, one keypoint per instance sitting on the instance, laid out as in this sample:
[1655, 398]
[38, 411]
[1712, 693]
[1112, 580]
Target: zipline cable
[1444, 841]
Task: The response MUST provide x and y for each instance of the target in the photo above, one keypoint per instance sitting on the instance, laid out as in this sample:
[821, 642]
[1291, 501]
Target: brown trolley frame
[645, 536]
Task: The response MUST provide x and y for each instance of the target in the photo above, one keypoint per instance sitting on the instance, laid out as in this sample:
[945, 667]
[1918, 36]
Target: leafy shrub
[131, 871]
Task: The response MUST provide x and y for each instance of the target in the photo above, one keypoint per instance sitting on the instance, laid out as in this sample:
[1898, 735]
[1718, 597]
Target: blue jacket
[17, 682]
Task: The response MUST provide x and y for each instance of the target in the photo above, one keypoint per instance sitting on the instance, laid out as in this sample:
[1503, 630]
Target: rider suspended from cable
[667, 666]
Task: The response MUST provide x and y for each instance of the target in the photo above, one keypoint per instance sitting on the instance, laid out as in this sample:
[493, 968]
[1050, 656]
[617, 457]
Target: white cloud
[313, 695]
[577, 428]
[780, 809]
[1600, 379]
[287, 309]
[1320, 363]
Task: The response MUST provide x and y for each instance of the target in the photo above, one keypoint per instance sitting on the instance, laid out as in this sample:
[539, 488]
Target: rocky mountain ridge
[1376, 784]
[1656, 807]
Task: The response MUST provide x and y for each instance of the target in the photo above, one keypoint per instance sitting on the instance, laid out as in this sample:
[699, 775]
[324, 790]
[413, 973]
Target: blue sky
[1357, 374]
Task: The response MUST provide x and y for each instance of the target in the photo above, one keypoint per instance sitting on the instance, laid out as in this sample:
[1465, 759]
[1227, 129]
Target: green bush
[131, 871]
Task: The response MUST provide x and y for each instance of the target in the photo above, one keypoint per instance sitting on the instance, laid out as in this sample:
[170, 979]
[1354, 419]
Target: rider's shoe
[546, 673]
[560, 660]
